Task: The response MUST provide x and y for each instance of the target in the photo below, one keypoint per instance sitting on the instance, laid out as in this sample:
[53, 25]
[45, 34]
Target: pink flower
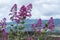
[29, 15]
[38, 31]
[4, 35]
[29, 7]
[51, 26]
[24, 11]
[3, 25]
[34, 26]
[51, 23]
[14, 12]
[14, 16]
[17, 20]
[39, 23]
[22, 14]
[4, 19]
[14, 8]
[51, 20]
[31, 38]
[0, 24]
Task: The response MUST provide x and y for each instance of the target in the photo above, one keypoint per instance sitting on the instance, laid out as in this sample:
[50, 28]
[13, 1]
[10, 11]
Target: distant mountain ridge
[28, 26]
[31, 21]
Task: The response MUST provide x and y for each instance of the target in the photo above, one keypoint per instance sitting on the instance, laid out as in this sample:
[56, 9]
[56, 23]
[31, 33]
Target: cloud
[48, 8]
[41, 8]
[35, 13]
[4, 1]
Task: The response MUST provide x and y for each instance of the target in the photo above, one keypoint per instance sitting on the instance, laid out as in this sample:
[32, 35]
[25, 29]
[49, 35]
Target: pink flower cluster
[25, 11]
[31, 38]
[3, 25]
[38, 24]
[51, 23]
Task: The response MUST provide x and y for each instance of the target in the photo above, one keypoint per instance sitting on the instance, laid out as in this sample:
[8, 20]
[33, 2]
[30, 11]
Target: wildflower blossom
[13, 11]
[22, 14]
[24, 11]
[39, 23]
[39, 31]
[37, 27]
[14, 8]
[31, 38]
[3, 25]
[51, 23]
[34, 26]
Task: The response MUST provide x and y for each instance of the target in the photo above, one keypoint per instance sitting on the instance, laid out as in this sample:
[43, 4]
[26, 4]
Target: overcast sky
[43, 9]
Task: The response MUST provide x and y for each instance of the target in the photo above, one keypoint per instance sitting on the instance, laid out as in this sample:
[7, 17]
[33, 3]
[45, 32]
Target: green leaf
[43, 31]
[21, 33]
[12, 25]
[15, 27]
[40, 37]
[21, 28]
[11, 36]
[11, 30]
[46, 24]
[22, 22]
